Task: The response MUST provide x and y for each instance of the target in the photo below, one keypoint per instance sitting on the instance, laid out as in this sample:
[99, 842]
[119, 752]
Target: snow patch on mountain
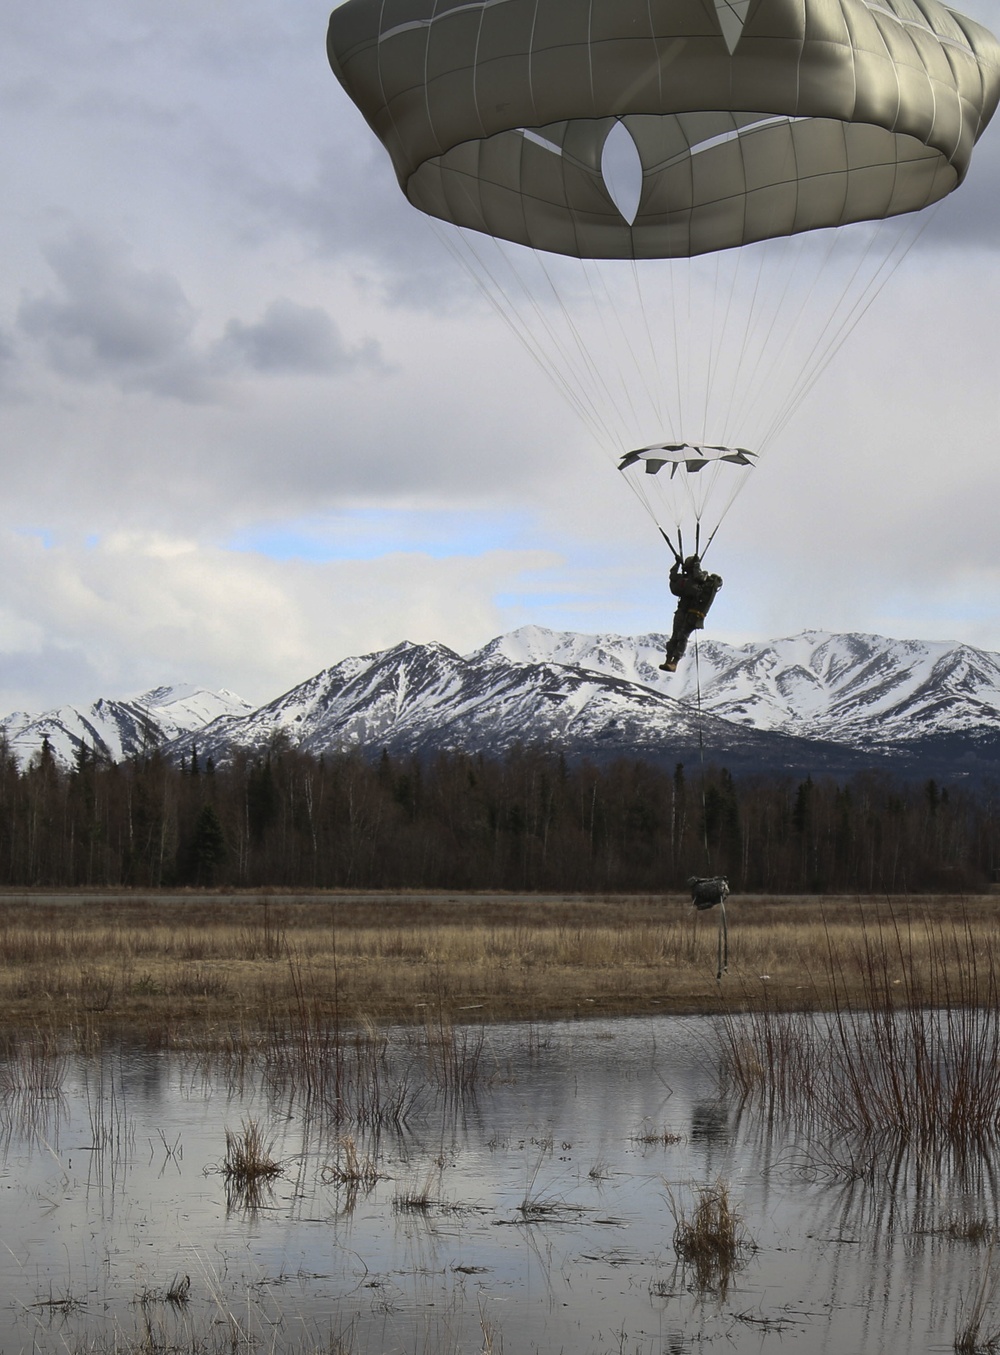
[814, 699]
[119, 729]
[856, 689]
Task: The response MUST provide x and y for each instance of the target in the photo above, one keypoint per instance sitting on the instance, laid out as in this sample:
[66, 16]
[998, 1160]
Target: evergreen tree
[208, 846]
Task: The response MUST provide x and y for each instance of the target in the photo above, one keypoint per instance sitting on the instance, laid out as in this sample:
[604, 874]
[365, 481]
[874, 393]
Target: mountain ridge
[817, 700]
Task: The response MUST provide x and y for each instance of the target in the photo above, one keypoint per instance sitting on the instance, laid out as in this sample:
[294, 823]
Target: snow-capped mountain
[426, 698]
[811, 702]
[861, 690]
[119, 729]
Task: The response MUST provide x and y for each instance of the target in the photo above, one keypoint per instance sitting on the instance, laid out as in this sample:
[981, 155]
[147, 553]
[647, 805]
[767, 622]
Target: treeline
[526, 821]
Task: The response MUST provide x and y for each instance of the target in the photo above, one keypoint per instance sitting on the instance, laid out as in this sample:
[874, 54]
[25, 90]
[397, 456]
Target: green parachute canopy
[750, 118]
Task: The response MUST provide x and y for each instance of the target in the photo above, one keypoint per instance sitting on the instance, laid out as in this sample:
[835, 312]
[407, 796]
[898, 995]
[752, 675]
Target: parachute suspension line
[499, 298]
[684, 354]
[712, 346]
[752, 313]
[720, 514]
[564, 359]
[662, 414]
[577, 393]
[593, 277]
[674, 310]
[675, 550]
[602, 308]
[817, 365]
[722, 944]
[651, 511]
[734, 280]
[762, 315]
[570, 379]
[775, 363]
[768, 353]
[596, 375]
[719, 364]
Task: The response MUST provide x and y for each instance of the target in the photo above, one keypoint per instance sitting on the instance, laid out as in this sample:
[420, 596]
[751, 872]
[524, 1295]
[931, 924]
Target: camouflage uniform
[696, 592]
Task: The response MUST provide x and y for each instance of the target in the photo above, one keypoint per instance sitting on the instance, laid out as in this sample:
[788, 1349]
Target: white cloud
[234, 321]
[132, 610]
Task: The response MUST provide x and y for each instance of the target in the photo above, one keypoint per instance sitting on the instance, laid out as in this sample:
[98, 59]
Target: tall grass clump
[712, 1239]
[248, 1167]
[352, 1167]
[915, 1059]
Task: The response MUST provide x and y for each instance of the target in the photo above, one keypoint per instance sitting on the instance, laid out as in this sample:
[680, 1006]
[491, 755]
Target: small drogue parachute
[662, 477]
[643, 137]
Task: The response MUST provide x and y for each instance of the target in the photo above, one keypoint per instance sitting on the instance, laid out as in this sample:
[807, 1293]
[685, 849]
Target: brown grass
[908, 1049]
[201, 965]
[248, 1167]
[713, 1239]
[352, 1167]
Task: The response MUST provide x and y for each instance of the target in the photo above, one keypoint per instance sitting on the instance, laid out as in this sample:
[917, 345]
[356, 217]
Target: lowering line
[709, 890]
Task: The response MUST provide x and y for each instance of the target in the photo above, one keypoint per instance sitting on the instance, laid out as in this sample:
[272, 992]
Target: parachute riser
[678, 550]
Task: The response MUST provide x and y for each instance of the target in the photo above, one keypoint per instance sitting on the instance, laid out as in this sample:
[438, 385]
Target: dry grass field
[196, 967]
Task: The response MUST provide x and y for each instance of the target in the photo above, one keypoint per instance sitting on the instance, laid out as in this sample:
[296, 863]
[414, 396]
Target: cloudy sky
[254, 417]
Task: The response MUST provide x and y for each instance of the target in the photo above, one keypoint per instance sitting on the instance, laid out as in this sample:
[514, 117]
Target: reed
[417, 1199]
[248, 1155]
[177, 1294]
[248, 1167]
[492, 1334]
[965, 1229]
[713, 1239]
[351, 1167]
[663, 1136]
[33, 1064]
[455, 1055]
[909, 1051]
[973, 1337]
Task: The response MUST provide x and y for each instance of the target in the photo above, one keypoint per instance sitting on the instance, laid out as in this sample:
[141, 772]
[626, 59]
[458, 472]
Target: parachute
[643, 137]
[667, 462]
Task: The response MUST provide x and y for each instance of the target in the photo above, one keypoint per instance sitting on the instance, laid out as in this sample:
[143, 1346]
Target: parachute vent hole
[621, 166]
[732, 17]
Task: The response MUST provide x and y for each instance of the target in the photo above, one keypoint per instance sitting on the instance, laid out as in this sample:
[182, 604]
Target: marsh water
[533, 1211]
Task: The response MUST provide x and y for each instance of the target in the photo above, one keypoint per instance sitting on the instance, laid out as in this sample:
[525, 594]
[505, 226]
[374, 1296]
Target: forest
[526, 821]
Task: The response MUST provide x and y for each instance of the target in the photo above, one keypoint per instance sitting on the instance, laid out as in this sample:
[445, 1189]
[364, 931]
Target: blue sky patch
[367, 534]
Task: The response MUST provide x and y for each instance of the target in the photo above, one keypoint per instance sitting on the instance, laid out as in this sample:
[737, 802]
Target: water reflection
[712, 1122]
[532, 1206]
